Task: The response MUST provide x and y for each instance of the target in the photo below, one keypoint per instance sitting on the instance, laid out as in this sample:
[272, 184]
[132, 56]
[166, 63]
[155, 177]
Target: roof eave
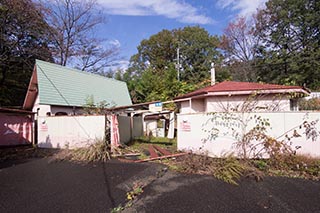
[12, 110]
[186, 96]
[31, 93]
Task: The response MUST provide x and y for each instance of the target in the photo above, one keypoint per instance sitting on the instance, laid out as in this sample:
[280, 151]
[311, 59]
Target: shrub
[228, 168]
[262, 165]
[311, 104]
[302, 166]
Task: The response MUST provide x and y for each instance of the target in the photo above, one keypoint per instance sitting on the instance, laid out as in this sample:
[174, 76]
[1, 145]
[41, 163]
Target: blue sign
[158, 104]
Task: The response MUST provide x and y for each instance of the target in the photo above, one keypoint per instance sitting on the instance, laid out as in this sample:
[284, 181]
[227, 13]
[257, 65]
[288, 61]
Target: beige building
[234, 96]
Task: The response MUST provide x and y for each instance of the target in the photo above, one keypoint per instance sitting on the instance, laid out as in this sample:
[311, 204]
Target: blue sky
[131, 21]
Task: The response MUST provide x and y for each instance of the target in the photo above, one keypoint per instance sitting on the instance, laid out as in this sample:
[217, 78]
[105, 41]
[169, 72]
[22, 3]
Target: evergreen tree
[289, 51]
[23, 38]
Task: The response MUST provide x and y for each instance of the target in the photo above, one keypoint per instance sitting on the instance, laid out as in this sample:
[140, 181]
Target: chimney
[213, 74]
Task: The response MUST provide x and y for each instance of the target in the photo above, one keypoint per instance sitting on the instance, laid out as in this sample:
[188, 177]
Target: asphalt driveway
[37, 185]
[194, 193]
[40, 186]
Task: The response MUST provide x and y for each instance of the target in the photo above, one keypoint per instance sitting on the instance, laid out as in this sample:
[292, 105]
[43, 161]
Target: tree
[289, 52]
[74, 23]
[23, 38]
[239, 46]
[150, 86]
[95, 57]
[198, 50]
[156, 53]
[152, 74]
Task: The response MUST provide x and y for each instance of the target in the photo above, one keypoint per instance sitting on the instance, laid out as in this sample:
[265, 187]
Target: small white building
[231, 96]
[59, 90]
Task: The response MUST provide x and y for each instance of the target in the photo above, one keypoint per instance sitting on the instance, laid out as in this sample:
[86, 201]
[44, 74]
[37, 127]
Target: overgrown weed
[231, 169]
[96, 152]
[228, 168]
[303, 166]
[137, 189]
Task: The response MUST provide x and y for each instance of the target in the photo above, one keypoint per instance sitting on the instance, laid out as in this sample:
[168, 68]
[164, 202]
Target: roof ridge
[231, 86]
[78, 71]
[258, 83]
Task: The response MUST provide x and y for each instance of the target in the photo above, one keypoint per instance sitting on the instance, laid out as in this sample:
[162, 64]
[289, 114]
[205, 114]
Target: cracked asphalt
[194, 193]
[38, 185]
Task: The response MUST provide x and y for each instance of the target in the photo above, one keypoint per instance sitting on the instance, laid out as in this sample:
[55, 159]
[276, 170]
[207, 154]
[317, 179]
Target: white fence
[216, 136]
[70, 131]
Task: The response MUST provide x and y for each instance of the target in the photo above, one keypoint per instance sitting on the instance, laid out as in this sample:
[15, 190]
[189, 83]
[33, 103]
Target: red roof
[233, 86]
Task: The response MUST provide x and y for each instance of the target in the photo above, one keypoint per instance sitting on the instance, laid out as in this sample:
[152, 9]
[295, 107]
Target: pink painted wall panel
[15, 129]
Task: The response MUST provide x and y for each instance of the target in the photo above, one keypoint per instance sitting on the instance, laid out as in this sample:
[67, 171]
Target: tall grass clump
[96, 152]
[228, 169]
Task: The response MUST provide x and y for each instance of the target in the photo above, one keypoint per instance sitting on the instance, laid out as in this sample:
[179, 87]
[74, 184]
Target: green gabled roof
[59, 85]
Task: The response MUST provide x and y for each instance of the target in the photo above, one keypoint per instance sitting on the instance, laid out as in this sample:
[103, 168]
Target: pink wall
[70, 131]
[15, 129]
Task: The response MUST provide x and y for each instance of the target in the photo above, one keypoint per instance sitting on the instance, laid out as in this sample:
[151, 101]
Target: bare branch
[74, 22]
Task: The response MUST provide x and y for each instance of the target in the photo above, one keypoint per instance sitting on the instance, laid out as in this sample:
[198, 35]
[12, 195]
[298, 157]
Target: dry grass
[228, 169]
[231, 169]
[97, 152]
[302, 166]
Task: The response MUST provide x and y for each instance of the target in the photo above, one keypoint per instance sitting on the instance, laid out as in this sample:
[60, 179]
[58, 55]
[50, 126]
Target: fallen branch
[161, 157]
[126, 155]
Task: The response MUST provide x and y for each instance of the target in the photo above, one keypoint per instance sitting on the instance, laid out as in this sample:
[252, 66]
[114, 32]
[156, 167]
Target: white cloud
[173, 9]
[121, 65]
[115, 43]
[245, 7]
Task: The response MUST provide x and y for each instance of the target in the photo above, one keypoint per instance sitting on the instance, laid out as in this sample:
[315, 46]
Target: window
[294, 105]
[61, 114]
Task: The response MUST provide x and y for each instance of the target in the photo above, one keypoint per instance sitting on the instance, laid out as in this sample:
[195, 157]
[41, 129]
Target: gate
[16, 127]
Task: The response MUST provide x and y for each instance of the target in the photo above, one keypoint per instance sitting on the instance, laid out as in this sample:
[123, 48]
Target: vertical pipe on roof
[213, 74]
[131, 126]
